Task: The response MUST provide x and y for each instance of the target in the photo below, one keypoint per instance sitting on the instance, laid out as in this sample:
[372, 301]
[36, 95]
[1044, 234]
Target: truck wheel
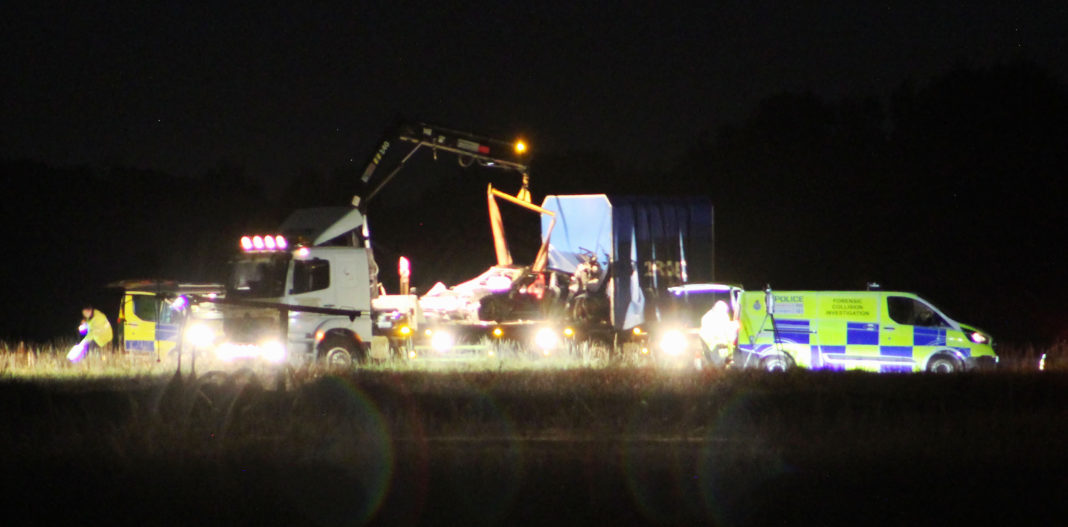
[776, 363]
[338, 352]
[943, 364]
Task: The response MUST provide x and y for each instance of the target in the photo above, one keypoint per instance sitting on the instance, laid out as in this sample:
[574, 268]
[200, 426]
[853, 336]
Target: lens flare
[545, 339]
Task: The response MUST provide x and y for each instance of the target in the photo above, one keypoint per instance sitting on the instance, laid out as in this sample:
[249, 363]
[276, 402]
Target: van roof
[840, 292]
[702, 288]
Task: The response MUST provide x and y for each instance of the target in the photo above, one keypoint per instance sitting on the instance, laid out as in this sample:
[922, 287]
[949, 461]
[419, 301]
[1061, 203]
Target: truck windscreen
[258, 276]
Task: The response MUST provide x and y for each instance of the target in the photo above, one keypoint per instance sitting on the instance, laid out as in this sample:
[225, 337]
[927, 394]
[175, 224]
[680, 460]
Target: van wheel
[338, 352]
[776, 363]
[943, 364]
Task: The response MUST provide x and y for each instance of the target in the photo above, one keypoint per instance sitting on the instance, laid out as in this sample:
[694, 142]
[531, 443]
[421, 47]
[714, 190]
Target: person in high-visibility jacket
[717, 332]
[97, 329]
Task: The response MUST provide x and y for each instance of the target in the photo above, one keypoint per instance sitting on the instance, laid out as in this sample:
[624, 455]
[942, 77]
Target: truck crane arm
[500, 244]
[471, 148]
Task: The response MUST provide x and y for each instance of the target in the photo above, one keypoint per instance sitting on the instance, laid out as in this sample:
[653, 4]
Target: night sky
[181, 89]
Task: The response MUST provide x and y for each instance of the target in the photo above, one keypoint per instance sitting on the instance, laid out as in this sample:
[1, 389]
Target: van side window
[310, 275]
[909, 311]
[168, 315]
[145, 307]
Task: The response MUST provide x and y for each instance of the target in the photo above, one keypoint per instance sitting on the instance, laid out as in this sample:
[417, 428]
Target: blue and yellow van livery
[150, 324]
[869, 330]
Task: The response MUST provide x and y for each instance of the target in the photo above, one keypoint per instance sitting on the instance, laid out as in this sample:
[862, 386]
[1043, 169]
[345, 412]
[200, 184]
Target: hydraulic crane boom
[500, 244]
[470, 148]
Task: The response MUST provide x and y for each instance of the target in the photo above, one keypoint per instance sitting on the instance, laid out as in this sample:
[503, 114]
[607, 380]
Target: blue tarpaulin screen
[649, 243]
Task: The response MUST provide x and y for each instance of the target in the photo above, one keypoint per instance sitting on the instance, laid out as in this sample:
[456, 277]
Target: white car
[461, 301]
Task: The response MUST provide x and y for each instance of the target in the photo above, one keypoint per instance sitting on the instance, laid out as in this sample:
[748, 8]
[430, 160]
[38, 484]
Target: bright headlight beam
[673, 342]
[200, 336]
[273, 351]
[545, 339]
[441, 341]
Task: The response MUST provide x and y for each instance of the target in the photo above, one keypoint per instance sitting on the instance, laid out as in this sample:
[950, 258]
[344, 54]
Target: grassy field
[122, 441]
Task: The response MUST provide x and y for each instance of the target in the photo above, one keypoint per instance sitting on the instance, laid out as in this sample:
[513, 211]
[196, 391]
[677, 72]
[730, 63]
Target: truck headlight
[200, 335]
[228, 351]
[545, 339]
[673, 342]
[273, 351]
[978, 338]
[441, 341]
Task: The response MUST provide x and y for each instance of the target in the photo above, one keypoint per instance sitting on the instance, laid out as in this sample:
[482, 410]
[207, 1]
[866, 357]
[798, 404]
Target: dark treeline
[952, 190]
[71, 231]
[951, 187]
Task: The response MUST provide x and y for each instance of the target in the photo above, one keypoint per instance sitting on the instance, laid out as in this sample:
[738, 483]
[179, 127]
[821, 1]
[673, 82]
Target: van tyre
[944, 364]
[339, 352]
[776, 363]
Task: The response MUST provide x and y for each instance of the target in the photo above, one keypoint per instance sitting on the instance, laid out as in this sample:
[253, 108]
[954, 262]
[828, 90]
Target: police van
[877, 330]
[151, 314]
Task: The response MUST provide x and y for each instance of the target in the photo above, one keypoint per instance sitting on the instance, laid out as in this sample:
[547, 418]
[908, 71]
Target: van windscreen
[911, 312]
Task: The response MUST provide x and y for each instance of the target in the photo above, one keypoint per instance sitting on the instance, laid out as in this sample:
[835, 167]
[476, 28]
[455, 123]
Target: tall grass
[1021, 357]
[484, 443]
[49, 362]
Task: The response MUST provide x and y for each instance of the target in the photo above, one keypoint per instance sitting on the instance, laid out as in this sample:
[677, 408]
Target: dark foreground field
[587, 446]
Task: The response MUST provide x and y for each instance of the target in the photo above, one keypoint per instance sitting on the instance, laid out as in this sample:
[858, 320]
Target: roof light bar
[269, 242]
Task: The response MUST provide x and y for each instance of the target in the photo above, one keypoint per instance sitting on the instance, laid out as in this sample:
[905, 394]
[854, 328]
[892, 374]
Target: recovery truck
[311, 290]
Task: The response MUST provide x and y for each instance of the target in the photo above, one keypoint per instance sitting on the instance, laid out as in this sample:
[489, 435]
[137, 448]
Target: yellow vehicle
[869, 330]
[151, 314]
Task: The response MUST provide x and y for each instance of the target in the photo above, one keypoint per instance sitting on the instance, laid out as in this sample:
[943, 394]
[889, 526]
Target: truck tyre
[777, 362]
[944, 364]
[338, 351]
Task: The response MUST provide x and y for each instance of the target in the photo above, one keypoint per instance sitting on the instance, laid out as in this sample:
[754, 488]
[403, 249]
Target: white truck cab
[301, 295]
